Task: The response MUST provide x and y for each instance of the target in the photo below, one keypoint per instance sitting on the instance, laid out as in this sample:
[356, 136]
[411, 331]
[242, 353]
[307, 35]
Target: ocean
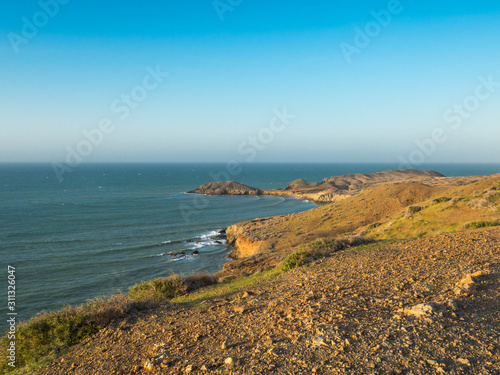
[106, 227]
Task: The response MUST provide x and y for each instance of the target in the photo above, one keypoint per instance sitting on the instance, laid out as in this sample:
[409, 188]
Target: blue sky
[231, 66]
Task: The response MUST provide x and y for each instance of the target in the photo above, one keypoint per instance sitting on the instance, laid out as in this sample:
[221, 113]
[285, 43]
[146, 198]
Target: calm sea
[106, 227]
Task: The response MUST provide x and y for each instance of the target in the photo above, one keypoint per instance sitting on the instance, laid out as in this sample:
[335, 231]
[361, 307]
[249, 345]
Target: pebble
[229, 361]
[239, 309]
[463, 361]
[149, 366]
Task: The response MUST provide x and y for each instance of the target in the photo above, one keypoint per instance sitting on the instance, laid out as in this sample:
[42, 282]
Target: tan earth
[347, 314]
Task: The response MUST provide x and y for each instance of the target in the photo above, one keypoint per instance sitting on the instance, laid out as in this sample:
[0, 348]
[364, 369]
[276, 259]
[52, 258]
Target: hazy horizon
[403, 82]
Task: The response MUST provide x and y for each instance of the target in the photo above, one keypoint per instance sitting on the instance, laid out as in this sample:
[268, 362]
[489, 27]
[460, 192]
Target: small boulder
[467, 285]
[421, 310]
[239, 309]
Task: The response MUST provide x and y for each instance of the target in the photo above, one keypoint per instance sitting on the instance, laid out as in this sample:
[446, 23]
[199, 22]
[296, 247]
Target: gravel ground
[352, 313]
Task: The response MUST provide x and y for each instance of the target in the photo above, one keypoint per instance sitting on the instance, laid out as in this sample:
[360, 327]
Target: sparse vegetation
[293, 260]
[441, 200]
[165, 288]
[414, 209]
[410, 211]
[320, 249]
[482, 224]
[455, 200]
[228, 288]
[478, 204]
[52, 332]
[160, 289]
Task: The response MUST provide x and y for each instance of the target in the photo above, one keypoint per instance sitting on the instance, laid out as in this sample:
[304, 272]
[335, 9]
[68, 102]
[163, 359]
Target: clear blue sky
[227, 76]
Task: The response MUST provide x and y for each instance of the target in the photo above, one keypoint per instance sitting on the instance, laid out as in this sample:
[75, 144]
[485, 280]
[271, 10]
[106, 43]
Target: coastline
[401, 217]
[263, 241]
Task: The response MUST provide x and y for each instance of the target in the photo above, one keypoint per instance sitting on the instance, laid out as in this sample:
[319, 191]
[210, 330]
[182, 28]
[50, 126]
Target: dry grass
[52, 332]
[49, 333]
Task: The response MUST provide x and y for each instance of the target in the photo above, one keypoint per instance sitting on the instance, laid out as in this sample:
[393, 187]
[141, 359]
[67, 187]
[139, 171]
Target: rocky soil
[426, 306]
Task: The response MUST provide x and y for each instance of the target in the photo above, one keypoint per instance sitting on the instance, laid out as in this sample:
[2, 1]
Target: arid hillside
[389, 211]
[410, 307]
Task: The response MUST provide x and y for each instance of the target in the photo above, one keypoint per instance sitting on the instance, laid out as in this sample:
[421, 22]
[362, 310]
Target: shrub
[165, 288]
[492, 195]
[455, 200]
[482, 224]
[441, 200]
[293, 260]
[160, 289]
[412, 210]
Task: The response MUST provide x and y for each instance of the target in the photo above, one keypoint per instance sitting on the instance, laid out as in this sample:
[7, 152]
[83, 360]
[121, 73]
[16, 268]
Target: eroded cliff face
[243, 245]
[327, 196]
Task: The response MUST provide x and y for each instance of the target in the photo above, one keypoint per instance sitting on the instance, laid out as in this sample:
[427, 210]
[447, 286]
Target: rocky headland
[331, 189]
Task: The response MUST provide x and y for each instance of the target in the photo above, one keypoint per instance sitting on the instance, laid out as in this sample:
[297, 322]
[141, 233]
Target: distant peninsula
[331, 189]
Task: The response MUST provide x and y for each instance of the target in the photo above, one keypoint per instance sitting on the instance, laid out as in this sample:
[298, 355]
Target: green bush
[482, 224]
[165, 288]
[441, 200]
[410, 211]
[161, 289]
[293, 260]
